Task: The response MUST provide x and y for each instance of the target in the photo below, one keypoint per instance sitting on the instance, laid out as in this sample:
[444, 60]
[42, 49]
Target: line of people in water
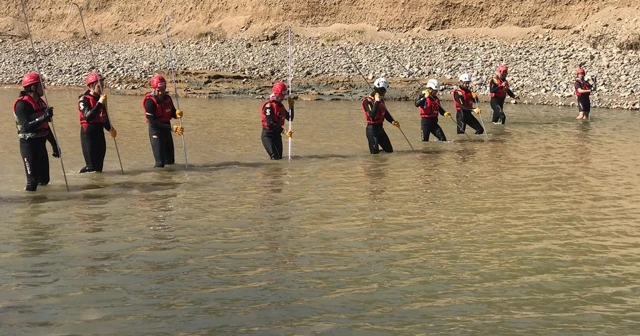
[464, 99]
[32, 117]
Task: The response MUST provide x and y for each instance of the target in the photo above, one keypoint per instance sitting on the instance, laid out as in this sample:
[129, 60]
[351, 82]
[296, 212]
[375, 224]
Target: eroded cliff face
[603, 22]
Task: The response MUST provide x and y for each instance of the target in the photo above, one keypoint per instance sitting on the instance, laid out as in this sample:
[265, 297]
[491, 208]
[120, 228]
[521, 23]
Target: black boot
[86, 169]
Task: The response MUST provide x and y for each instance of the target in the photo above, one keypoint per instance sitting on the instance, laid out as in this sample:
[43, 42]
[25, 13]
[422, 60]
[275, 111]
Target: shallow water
[533, 231]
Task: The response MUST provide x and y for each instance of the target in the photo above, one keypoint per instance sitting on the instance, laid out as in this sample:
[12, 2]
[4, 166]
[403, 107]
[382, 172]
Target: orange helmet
[580, 71]
[502, 68]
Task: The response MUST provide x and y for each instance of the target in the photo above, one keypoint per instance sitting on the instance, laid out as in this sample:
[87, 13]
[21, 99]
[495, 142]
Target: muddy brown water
[533, 231]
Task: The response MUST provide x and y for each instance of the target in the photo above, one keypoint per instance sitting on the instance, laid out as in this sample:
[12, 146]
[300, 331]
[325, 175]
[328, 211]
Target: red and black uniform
[273, 114]
[33, 131]
[159, 111]
[463, 101]
[499, 89]
[375, 112]
[93, 119]
[584, 102]
[429, 107]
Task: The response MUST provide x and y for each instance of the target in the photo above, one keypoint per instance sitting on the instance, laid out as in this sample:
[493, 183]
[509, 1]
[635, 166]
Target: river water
[532, 231]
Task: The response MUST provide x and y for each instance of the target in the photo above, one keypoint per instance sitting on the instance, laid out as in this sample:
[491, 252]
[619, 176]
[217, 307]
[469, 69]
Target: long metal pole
[289, 86]
[93, 61]
[175, 87]
[460, 128]
[35, 54]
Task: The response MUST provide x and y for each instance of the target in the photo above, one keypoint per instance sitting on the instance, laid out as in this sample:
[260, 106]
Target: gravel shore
[542, 68]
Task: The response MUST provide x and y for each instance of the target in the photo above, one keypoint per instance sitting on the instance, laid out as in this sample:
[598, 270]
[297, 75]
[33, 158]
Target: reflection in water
[37, 236]
[466, 155]
[160, 208]
[433, 168]
[336, 240]
[583, 142]
[89, 200]
[375, 168]
[271, 179]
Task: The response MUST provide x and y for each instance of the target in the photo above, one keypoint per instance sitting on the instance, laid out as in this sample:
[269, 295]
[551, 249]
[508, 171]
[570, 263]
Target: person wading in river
[463, 98]
[159, 110]
[92, 111]
[32, 116]
[273, 115]
[499, 89]
[375, 112]
[583, 92]
[429, 107]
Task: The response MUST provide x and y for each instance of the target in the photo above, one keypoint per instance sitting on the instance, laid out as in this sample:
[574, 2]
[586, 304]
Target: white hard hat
[433, 84]
[465, 78]
[381, 83]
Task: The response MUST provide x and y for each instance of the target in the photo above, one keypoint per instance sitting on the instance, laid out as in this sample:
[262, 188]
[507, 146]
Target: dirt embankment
[542, 40]
[122, 20]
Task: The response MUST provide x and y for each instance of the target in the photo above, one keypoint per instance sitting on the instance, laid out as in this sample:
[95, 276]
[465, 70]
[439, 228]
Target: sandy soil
[333, 19]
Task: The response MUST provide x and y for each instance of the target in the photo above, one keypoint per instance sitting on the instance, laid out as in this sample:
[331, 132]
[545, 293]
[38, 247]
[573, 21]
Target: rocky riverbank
[542, 66]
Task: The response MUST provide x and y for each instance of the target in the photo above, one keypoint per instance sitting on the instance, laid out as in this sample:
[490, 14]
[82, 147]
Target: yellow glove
[103, 99]
[289, 134]
[377, 96]
[395, 123]
[179, 114]
[113, 132]
[178, 130]
[290, 101]
[426, 93]
[477, 111]
[474, 95]
[447, 115]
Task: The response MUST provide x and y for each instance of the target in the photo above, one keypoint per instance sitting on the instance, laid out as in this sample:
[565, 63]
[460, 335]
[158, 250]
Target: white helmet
[465, 78]
[433, 84]
[381, 83]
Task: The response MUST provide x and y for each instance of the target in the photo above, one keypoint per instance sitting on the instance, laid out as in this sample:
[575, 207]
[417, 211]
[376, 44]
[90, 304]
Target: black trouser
[584, 106]
[94, 146]
[430, 126]
[36, 162]
[466, 118]
[377, 138]
[272, 142]
[497, 105]
[162, 146]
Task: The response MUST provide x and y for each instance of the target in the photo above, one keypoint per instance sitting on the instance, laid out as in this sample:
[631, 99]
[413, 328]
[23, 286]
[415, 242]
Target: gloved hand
[56, 152]
[474, 96]
[447, 115]
[477, 111]
[290, 102]
[377, 97]
[48, 113]
[426, 93]
[289, 134]
[179, 130]
[103, 99]
[179, 114]
[113, 132]
[395, 123]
